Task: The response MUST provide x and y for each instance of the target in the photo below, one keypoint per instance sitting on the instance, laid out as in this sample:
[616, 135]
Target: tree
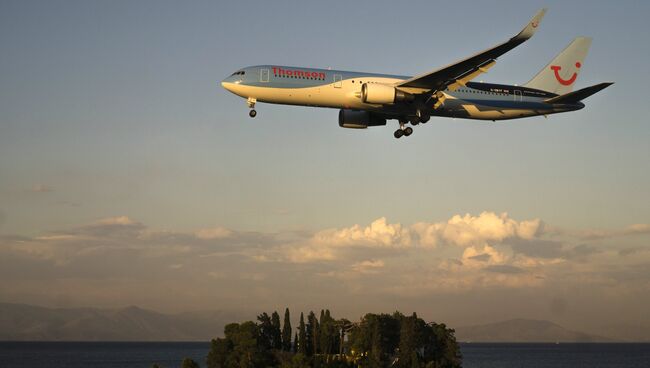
[329, 335]
[219, 350]
[298, 361]
[295, 344]
[286, 331]
[344, 326]
[265, 330]
[377, 341]
[249, 349]
[189, 363]
[441, 346]
[302, 336]
[412, 341]
[276, 332]
[313, 340]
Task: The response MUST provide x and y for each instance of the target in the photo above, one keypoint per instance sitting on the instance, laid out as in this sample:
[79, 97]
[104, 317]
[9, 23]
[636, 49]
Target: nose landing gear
[251, 105]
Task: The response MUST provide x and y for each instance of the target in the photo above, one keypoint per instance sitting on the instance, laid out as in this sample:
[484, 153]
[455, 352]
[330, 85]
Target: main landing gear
[419, 118]
[251, 105]
[402, 131]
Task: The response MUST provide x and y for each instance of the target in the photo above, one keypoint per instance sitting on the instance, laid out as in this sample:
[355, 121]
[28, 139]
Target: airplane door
[518, 95]
[264, 75]
[338, 80]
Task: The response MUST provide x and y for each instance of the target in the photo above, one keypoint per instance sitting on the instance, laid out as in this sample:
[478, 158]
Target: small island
[376, 341]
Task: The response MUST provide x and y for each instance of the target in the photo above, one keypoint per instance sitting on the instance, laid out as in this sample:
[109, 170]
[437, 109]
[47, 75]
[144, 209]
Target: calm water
[169, 355]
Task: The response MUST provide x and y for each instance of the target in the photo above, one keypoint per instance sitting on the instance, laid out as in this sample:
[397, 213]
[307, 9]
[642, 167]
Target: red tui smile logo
[534, 24]
[565, 82]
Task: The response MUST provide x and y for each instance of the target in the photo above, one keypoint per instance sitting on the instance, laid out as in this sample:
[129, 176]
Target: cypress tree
[286, 331]
[312, 334]
[276, 334]
[295, 344]
[302, 337]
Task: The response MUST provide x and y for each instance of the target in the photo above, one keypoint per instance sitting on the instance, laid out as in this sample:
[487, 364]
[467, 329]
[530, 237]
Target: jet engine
[355, 119]
[383, 94]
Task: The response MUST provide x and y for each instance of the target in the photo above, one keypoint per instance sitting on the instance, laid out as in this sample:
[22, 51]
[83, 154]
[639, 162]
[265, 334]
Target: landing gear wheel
[408, 131]
[398, 133]
[252, 113]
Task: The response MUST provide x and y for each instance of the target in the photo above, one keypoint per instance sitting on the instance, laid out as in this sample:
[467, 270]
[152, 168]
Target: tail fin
[560, 74]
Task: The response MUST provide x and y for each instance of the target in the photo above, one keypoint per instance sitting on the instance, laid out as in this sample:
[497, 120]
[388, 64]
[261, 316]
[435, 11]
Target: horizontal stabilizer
[579, 95]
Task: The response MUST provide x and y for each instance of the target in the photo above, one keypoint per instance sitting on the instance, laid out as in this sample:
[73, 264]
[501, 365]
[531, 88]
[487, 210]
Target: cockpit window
[241, 72]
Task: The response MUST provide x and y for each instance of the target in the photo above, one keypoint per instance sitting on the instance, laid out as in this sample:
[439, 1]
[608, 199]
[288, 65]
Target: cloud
[41, 188]
[119, 220]
[471, 230]
[506, 269]
[213, 233]
[368, 266]
[380, 235]
[598, 234]
[381, 260]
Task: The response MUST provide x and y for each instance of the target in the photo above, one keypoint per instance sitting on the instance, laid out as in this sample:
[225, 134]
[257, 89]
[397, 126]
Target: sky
[128, 176]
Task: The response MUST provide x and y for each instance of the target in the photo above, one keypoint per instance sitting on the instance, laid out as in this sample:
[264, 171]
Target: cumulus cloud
[463, 254]
[378, 234]
[471, 230]
[462, 231]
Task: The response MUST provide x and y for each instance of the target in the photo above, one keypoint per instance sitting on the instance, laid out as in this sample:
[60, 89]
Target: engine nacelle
[383, 94]
[355, 119]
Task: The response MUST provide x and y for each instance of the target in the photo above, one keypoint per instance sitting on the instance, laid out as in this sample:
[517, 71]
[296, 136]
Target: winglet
[532, 26]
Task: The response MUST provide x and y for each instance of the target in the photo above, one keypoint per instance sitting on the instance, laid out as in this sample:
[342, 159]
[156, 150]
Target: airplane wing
[459, 73]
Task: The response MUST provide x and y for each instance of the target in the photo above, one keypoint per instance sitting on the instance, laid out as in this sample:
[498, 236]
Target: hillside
[26, 322]
[523, 330]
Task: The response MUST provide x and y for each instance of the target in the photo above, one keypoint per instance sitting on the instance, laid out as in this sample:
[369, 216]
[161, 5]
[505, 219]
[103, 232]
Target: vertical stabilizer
[560, 75]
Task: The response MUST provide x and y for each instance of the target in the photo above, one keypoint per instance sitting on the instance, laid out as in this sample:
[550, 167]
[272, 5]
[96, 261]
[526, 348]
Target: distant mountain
[25, 322]
[523, 330]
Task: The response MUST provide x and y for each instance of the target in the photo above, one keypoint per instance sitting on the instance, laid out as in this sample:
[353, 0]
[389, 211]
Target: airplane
[370, 99]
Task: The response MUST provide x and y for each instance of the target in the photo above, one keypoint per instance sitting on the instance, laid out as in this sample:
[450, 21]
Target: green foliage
[265, 330]
[189, 363]
[298, 361]
[219, 351]
[286, 331]
[276, 332]
[312, 335]
[242, 347]
[302, 336]
[377, 341]
[294, 348]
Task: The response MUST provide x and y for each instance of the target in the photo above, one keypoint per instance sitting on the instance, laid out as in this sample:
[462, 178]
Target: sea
[170, 355]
